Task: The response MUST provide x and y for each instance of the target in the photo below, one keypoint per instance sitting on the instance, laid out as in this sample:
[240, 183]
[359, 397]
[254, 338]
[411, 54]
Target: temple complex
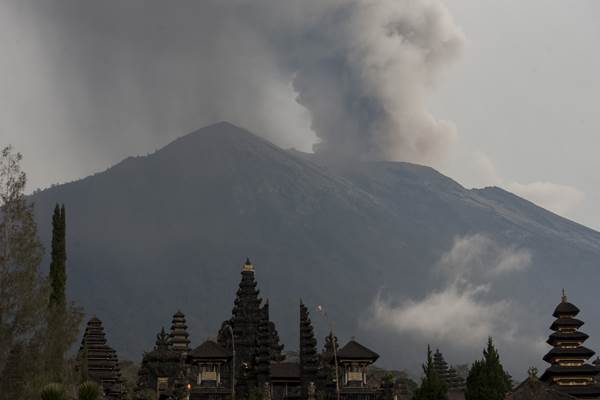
[568, 372]
[98, 362]
[247, 360]
[211, 367]
[160, 369]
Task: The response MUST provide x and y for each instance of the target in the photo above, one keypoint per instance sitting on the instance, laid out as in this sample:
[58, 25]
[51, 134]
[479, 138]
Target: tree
[63, 318]
[53, 391]
[487, 379]
[23, 291]
[58, 274]
[89, 390]
[432, 387]
[43, 328]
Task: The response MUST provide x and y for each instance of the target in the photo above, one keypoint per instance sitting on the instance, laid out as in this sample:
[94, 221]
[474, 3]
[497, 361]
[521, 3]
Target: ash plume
[365, 75]
[350, 77]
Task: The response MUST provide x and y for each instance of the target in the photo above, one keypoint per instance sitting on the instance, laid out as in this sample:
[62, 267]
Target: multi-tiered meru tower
[97, 361]
[569, 371]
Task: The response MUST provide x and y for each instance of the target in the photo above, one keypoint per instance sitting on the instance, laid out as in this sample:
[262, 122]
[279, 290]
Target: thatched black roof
[585, 370]
[562, 336]
[533, 389]
[580, 351]
[566, 322]
[210, 350]
[565, 308]
[356, 351]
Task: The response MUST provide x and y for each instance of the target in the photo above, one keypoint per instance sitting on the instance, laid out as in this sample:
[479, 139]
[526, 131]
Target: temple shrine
[568, 372]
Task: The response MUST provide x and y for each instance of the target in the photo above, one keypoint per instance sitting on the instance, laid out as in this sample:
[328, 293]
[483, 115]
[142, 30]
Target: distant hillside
[170, 230]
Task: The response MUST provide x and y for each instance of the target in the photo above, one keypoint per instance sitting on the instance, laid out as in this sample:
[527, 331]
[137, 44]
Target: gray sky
[525, 97]
[511, 85]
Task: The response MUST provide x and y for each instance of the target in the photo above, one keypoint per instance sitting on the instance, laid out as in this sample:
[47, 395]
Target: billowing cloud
[454, 314]
[104, 77]
[479, 258]
[463, 311]
[366, 76]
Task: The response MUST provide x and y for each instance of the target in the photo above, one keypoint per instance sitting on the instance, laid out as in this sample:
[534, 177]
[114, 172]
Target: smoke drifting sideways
[349, 76]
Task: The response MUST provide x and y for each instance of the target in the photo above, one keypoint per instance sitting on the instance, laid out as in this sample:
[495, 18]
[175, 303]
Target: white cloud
[478, 257]
[463, 311]
[454, 314]
[561, 199]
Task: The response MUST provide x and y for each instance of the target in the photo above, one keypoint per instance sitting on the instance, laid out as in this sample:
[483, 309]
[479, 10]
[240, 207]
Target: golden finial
[248, 265]
[564, 296]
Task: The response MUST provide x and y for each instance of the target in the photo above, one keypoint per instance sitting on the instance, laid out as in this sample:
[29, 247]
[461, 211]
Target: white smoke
[463, 312]
[364, 73]
[107, 77]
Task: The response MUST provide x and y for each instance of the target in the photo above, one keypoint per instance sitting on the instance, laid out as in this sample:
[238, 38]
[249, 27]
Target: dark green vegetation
[432, 387]
[487, 379]
[37, 325]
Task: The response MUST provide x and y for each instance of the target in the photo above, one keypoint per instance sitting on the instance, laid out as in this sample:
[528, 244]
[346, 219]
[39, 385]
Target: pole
[337, 371]
[233, 362]
[335, 360]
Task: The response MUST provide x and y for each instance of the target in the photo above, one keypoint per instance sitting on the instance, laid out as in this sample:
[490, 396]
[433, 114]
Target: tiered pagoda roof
[446, 373]
[179, 337]
[245, 318]
[99, 361]
[569, 372]
[596, 363]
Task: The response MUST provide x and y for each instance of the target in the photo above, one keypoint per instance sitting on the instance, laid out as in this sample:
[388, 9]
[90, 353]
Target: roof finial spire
[564, 296]
[248, 265]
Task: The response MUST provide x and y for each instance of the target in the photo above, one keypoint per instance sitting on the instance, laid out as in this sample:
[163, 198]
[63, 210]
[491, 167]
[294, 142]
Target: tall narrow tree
[309, 360]
[63, 318]
[58, 274]
[432, 387]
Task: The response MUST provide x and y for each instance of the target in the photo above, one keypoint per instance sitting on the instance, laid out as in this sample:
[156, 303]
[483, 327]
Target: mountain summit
[171, 230]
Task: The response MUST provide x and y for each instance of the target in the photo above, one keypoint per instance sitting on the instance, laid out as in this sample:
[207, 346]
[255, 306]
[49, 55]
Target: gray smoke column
[111, 78]
[364, 69]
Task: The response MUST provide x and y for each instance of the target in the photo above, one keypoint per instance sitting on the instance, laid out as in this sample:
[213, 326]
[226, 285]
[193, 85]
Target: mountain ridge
[170, 230]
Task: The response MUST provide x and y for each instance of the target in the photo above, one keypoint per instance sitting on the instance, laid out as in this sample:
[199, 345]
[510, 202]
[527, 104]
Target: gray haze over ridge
[400, 255]
[89, 83]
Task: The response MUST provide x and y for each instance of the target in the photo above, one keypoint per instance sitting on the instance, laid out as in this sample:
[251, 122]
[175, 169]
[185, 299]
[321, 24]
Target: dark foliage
[487, 379]
[432, 387]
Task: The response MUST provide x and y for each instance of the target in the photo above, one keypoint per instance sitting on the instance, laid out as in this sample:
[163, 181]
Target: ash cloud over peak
[367, 77]
[350, 77]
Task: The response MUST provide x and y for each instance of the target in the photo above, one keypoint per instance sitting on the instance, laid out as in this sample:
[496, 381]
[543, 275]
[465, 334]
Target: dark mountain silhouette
[171, 230]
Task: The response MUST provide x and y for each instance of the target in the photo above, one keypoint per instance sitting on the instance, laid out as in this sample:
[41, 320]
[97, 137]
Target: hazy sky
[489, 92]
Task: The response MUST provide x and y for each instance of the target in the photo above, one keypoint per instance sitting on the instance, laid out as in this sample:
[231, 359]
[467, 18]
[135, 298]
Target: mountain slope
[170, 230]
